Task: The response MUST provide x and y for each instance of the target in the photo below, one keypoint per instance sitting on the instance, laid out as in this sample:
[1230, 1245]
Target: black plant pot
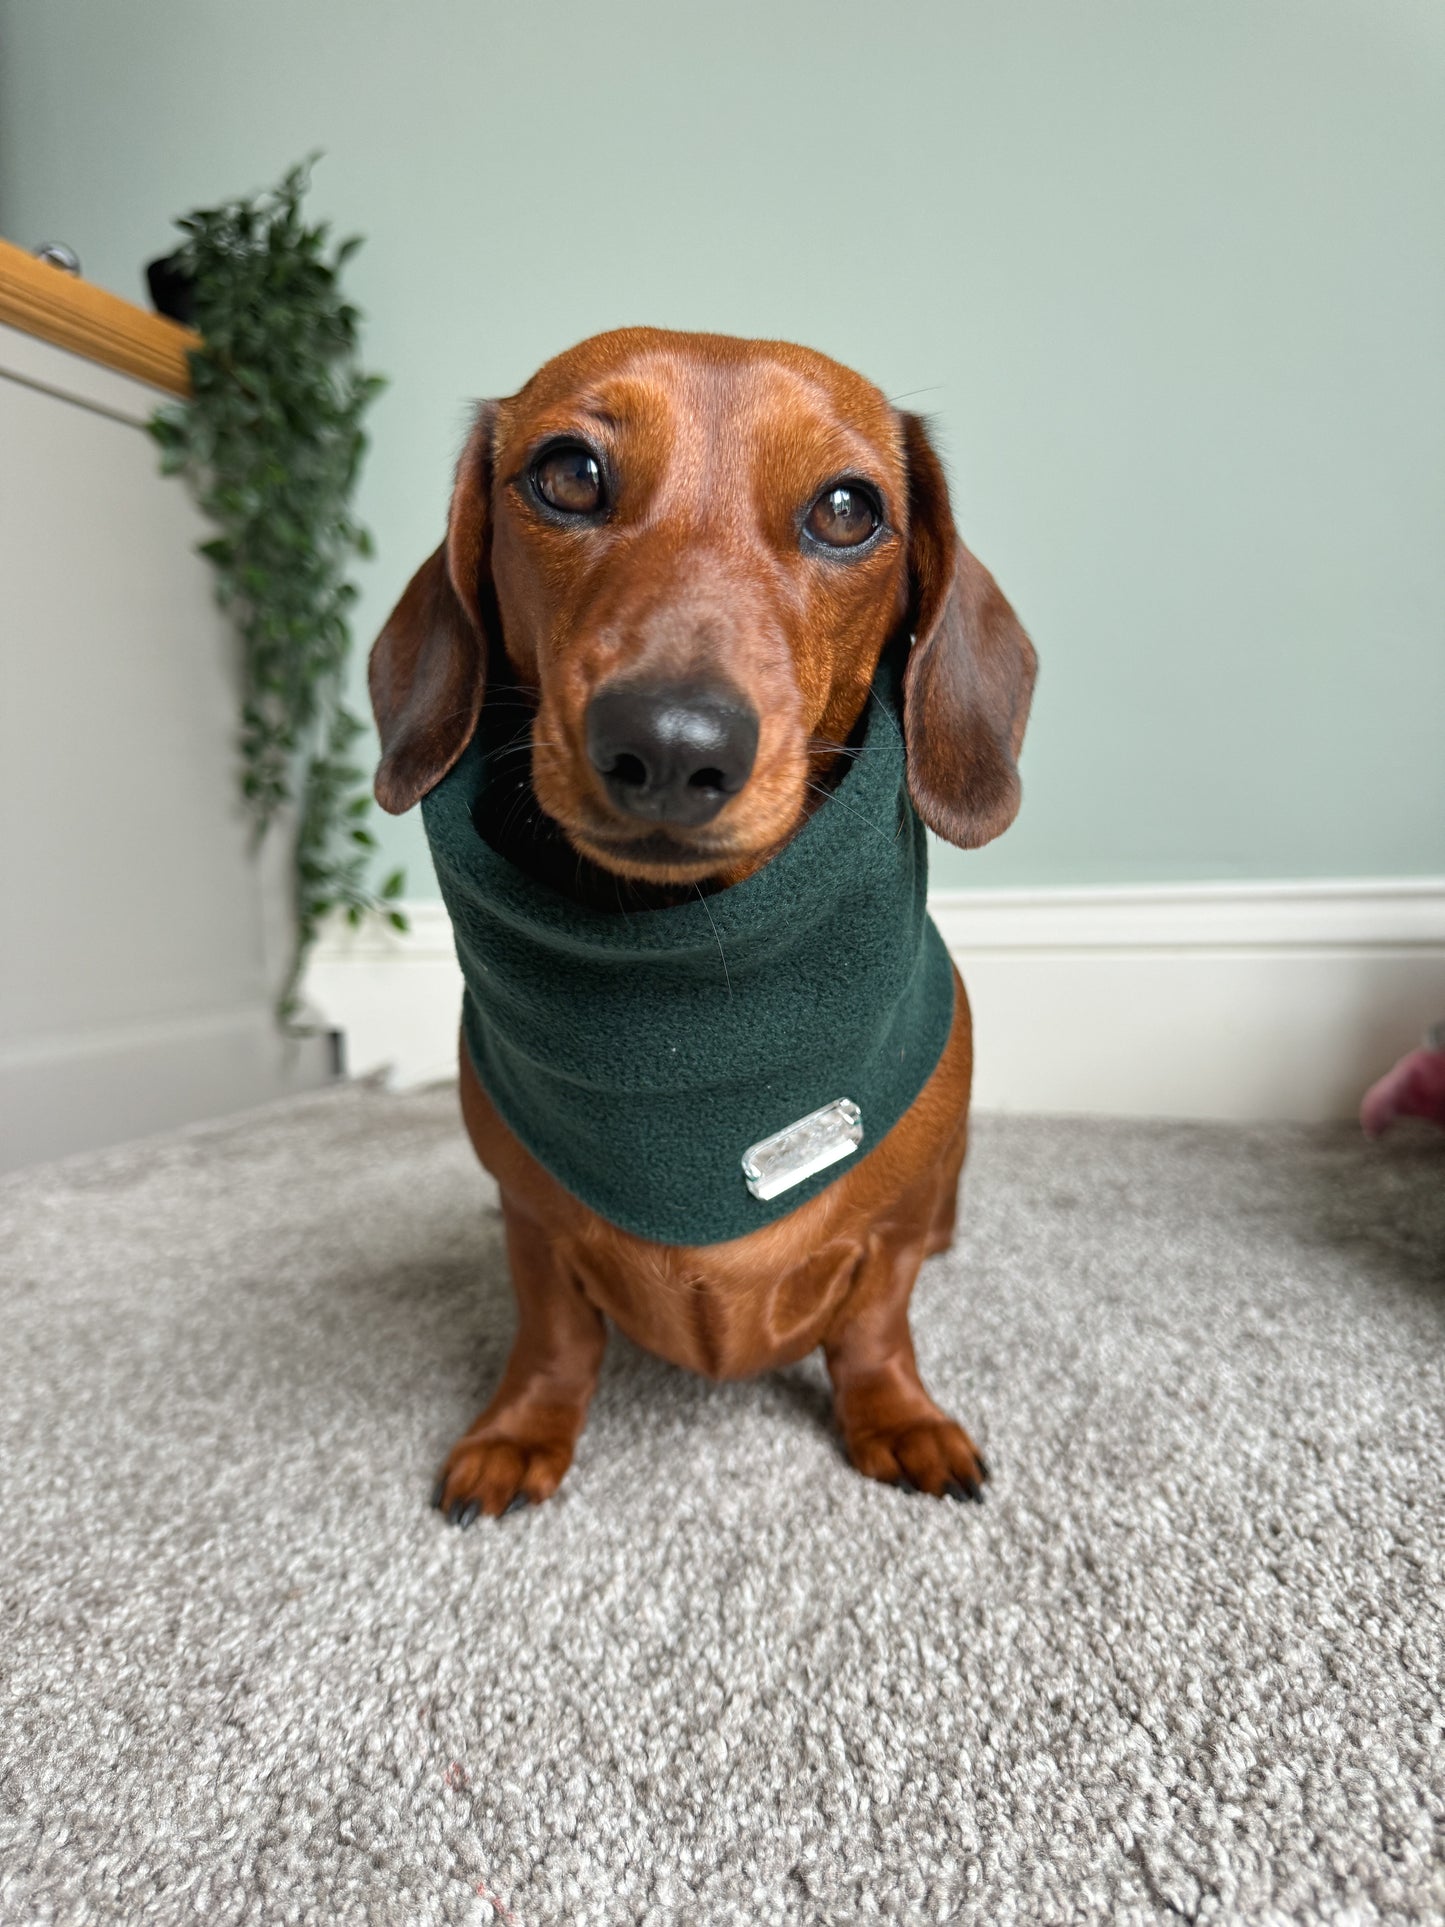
[173, 291]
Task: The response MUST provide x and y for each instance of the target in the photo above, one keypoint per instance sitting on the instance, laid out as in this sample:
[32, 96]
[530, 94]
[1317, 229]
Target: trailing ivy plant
[271, 440]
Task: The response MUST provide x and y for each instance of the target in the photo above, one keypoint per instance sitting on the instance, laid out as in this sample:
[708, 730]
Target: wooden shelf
[46, 301]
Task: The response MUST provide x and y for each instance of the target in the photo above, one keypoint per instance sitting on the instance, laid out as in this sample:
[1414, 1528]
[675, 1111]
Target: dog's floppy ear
[428, 665]
[970, 673]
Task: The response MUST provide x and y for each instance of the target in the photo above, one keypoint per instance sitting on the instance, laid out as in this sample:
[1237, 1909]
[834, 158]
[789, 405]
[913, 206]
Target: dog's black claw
[517, 1500]
[962, 1489]
[439, 1492]
[983, 1471]
[469, 1513]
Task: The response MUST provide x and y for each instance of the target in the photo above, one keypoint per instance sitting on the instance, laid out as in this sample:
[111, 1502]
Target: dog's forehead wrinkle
[650, 353]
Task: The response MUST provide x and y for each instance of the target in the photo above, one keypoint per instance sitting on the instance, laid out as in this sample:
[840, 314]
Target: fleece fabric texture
[638, 1056]
[1182, 1664]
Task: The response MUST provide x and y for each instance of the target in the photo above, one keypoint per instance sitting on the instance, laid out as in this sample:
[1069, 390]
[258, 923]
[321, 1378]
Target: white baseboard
[1264, 1000]
[75, 1091]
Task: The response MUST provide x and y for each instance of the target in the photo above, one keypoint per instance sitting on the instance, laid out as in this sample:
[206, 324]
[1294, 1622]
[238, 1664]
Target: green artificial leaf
[270, 441]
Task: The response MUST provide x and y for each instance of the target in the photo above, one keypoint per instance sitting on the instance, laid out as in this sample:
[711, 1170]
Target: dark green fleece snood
[639, 1056]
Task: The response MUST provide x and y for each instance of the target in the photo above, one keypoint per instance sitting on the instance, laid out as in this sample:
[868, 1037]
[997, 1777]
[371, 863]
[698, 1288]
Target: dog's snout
[671, 754]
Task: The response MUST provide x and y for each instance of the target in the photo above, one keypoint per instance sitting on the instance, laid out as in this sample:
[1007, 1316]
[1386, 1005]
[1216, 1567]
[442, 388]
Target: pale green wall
[1169, 276]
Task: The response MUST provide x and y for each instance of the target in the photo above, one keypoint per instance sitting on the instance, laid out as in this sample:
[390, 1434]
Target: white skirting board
[1259, 1000]
[79, 1090]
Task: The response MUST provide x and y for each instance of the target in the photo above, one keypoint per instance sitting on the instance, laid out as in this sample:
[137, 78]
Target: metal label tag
[775, 1164]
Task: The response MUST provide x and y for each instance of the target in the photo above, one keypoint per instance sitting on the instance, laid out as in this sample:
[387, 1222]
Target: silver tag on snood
[777, 1163]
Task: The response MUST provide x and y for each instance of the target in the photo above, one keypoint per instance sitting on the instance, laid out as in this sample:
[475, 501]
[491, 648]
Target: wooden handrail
[58, 307]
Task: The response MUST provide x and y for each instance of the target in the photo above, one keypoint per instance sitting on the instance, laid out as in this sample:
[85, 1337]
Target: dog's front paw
[495, 1474]
[931, 1454]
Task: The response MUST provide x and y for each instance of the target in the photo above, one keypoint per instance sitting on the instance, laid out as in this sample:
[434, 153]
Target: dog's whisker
[451, 715]
[520, 745]
[727, 975]
[521, 810]
[874, 697]
[832, 796]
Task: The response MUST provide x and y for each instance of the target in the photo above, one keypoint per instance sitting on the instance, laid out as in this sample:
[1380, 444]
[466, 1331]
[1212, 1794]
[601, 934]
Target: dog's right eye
[569, 479]
[844, 516]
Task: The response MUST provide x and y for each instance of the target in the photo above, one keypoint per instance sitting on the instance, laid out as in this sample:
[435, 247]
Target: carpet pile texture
[1185, 1663]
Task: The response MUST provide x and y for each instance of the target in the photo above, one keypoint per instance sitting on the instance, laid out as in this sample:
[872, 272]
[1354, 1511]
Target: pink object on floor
[1414, 1088]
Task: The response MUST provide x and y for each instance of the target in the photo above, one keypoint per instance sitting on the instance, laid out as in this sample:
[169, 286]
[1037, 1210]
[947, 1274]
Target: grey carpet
[1185, 1663]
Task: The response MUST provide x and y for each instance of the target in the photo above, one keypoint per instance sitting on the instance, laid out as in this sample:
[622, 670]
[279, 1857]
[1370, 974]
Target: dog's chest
[729, 1322]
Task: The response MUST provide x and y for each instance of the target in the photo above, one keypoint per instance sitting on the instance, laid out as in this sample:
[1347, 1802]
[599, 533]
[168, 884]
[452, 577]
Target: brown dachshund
[736, 530]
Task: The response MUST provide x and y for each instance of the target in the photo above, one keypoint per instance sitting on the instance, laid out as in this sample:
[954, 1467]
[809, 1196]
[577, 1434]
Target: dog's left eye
[569, 479]
[843, 516]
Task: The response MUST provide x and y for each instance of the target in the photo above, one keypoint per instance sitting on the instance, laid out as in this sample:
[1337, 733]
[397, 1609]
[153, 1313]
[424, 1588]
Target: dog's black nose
[671, 754]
